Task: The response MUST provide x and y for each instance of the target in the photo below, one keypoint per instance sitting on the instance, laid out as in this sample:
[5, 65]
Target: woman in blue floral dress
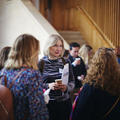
[27, 89]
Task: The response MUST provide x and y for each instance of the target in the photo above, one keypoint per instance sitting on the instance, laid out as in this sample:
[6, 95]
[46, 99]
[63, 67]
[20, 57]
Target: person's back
[26, 93]
[94, 104]
[27, 88]
[99, 98]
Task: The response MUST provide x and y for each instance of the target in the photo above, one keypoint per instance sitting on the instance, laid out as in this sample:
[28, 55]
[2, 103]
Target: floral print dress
[27, 92]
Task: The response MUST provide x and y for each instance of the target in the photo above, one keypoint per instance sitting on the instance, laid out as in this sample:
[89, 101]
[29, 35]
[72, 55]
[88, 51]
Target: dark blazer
[93, 103]
[78, 70]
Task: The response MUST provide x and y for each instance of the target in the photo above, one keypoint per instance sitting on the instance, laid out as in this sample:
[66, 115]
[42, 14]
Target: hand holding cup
[77, 61]
[60, 86]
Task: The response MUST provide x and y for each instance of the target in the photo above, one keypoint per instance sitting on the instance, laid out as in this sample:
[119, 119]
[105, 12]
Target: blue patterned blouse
[27, 94]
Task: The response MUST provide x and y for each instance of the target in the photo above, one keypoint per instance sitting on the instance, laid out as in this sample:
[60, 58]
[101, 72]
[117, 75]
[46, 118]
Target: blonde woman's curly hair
[104, 71]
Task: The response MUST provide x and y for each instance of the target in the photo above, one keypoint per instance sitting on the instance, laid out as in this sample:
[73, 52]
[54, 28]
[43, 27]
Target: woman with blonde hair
[59, 105]
[27, 88]
[85, 52]
[100, 96]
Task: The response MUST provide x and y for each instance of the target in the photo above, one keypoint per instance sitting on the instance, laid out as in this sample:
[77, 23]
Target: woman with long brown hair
[100, 95]
[27, 88]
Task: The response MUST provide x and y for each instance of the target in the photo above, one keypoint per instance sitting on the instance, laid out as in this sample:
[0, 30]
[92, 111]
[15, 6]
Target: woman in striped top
[59, 105]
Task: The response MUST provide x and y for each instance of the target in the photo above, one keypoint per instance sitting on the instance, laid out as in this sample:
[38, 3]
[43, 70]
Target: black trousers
[59, 110]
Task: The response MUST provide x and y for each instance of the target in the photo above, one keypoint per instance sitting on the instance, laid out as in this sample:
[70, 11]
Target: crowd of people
[79, 85]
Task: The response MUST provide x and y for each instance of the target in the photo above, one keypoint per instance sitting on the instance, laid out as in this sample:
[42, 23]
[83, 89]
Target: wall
[89, 31]
[97, 20]
[18, 17]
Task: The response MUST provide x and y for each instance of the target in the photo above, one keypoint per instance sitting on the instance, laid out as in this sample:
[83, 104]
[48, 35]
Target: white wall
[20, 16]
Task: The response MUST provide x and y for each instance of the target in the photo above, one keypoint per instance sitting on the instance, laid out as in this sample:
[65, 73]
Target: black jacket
[78, 70]
[93, 104]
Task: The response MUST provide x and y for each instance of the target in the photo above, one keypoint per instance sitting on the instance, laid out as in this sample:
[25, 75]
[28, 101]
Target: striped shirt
[52, 71]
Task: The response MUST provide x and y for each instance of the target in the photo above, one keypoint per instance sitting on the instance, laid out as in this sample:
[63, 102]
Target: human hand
[77, 61]
[51, 85]
[54, 86]
[80, 78]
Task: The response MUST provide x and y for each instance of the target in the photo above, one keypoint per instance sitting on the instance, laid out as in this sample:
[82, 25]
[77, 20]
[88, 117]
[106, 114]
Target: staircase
[72, 36]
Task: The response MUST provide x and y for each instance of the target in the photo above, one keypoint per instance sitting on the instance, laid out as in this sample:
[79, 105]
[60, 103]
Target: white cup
[77, 58]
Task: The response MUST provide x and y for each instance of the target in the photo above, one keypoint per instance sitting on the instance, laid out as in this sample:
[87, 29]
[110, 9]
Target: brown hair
[4, 56]
[66, 53]
[24, 52]
[104, 71]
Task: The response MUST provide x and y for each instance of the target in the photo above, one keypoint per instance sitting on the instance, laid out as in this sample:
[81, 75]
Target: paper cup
[58, 81]
[77, 58]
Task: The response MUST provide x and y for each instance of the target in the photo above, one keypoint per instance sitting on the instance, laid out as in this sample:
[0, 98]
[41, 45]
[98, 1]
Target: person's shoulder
[43, 60]
[31, 72]
[88, 88]
[31, 75]
[70, 58]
